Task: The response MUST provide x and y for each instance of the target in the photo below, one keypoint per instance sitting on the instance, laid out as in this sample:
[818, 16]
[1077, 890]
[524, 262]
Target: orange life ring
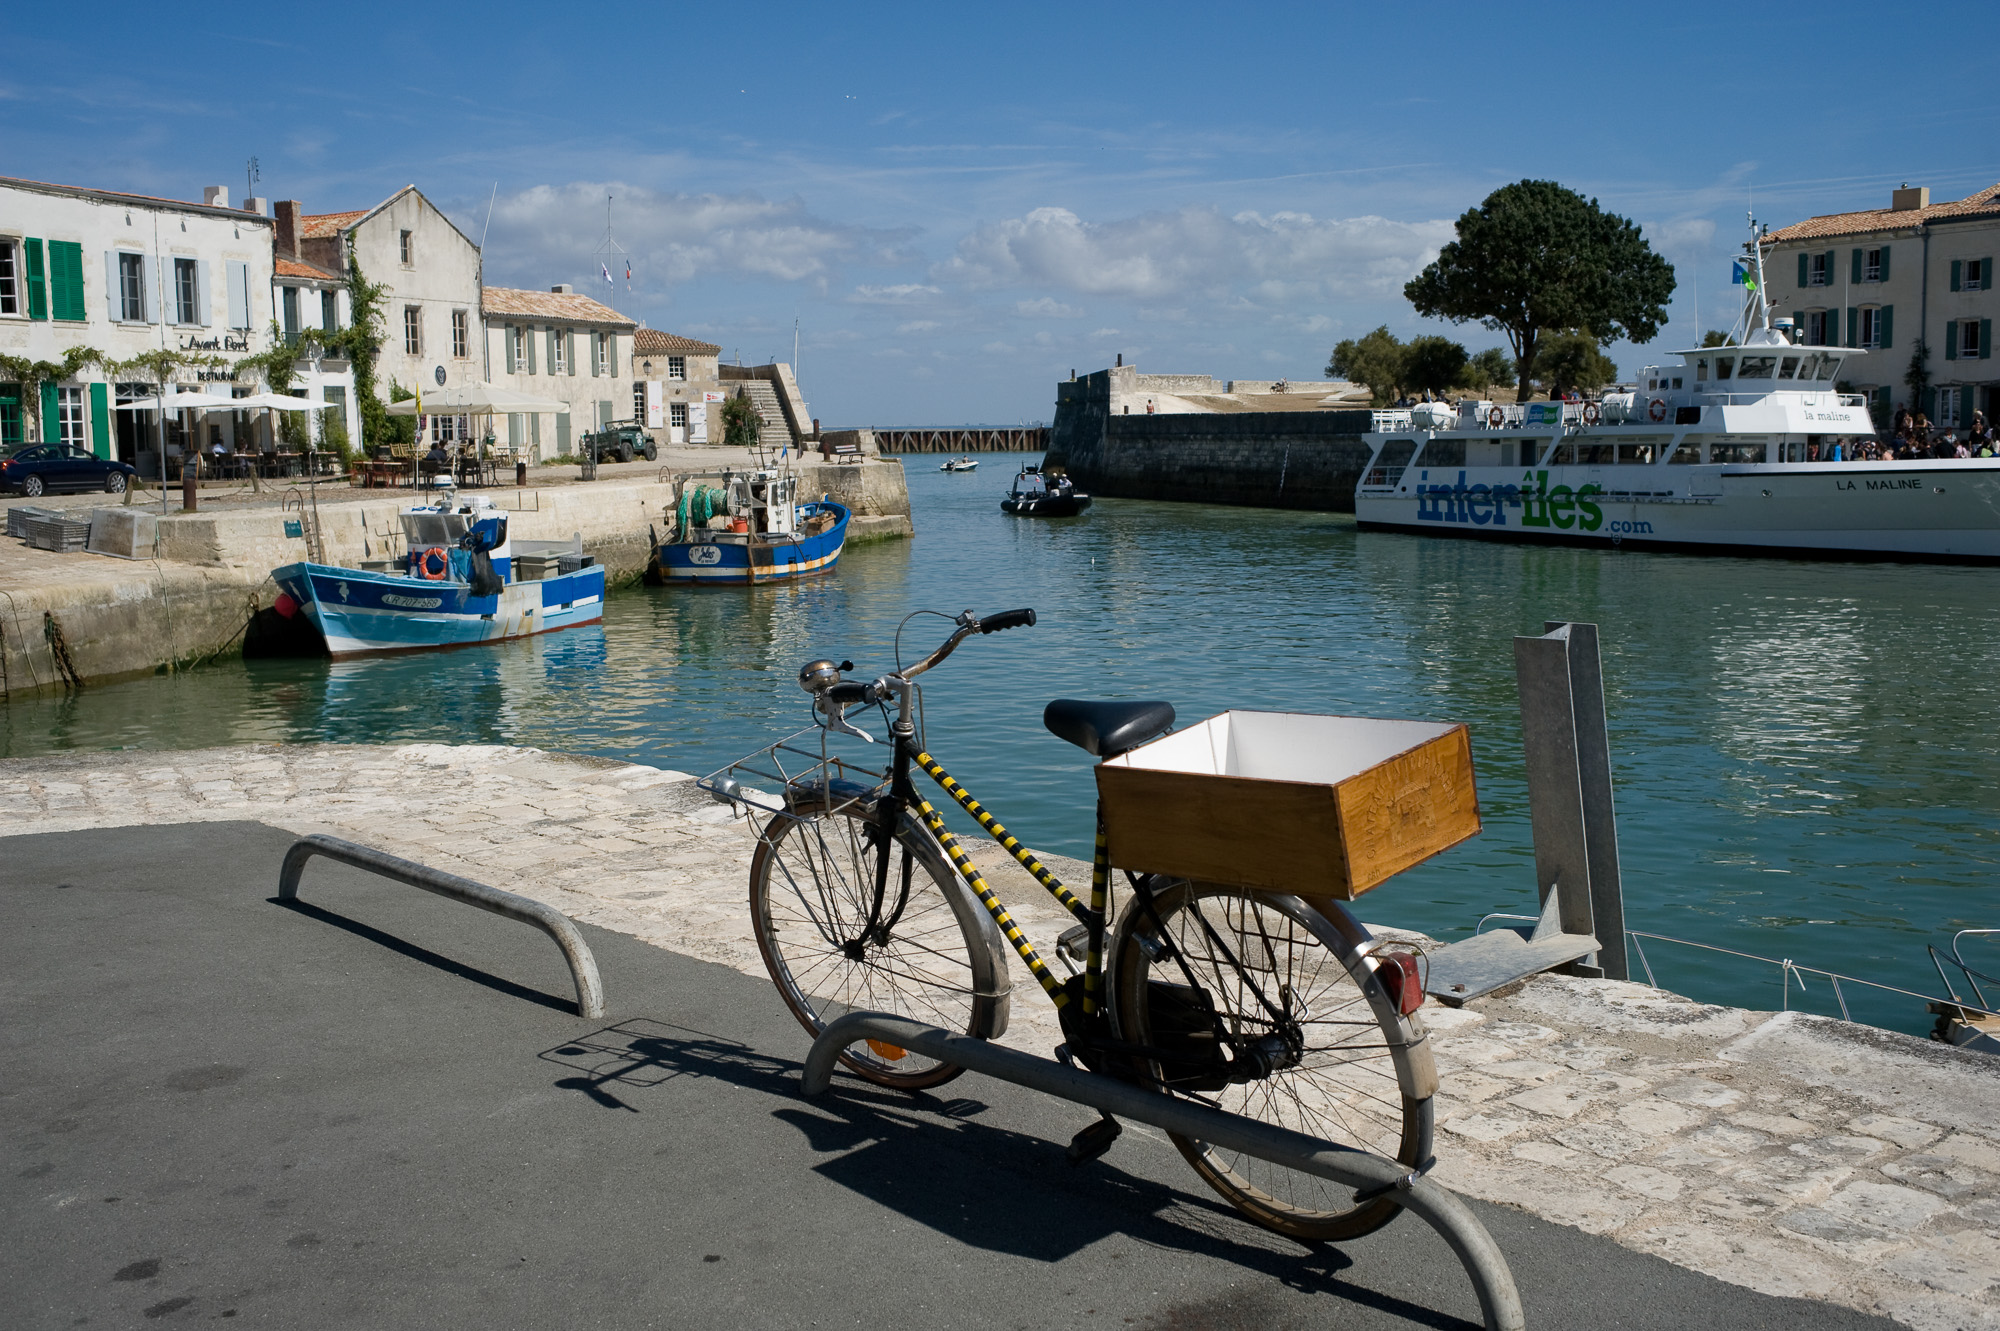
[1494, 416]
[423, 564]
[1590, 413]
[1657, 409]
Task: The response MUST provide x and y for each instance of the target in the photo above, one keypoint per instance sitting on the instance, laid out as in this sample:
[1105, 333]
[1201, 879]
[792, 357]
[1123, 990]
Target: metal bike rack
[582, 965]
[1499, 1301]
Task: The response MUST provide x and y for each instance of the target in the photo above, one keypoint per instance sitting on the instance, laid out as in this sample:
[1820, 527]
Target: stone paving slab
[1790, 1154]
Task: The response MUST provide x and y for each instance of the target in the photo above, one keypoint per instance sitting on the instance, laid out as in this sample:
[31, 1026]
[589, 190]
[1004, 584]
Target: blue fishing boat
[749, 526]
[461, 582]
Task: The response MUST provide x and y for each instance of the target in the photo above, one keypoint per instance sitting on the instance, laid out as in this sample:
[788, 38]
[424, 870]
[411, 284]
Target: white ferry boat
[1728, 450]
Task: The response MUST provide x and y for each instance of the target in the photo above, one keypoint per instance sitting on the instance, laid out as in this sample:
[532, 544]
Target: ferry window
[1829, 367]
[1677, 381]
[1444, 453]
[1809, 367]
[1736, 453]
[1788, 368]
[1687, 454]
[1723, 365]
[1701, 370]
[1635, 454]
[1758, 367]
[1389, 464]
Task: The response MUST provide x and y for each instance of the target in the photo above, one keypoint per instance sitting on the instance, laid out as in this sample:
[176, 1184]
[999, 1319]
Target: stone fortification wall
[1279, 459]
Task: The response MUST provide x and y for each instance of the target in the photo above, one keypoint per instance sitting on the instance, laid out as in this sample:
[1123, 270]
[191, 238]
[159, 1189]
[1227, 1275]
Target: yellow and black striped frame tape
[987, 898]
[1006, 839]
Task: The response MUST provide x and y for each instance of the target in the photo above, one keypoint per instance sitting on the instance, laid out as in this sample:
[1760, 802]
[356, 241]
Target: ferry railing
[1370, 1175]
[558, 926]
[1792, 970]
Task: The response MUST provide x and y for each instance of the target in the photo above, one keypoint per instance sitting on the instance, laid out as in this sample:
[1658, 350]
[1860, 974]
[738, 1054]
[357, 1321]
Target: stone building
[126, 274]
[430, 272]
[1889, 279]
[676, 381]
[557, 344]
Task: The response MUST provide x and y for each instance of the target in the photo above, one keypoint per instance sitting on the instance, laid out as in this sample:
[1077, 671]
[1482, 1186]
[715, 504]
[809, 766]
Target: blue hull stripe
[729, 561]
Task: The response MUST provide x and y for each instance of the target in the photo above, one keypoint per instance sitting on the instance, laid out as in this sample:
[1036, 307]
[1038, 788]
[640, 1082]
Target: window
[132, 288]
[1871, 328]
[1969, 346]
[1724, 366]
[329, 311]
[677, 415]
[461, 341]
[517, 355]
[1947, 408]
[407, 250]
[1820, 330]
[10, 417]
[69, 413]
[639, 401]
[1757, 367]
[1873, 265]
[413, 330]
[677, 367]
[600, 352]
[10, 283]
[289, 299]
[65, 281]
[1817, 268]
[558, 351]
[1972, 274]
[187, 292]
[1788, 368]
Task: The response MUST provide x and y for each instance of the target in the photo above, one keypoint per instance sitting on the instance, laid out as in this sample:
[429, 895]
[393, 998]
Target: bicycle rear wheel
[927, 951]
[1349, 1068]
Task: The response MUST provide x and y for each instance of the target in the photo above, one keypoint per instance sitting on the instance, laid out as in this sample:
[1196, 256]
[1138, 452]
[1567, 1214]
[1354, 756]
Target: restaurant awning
[478, 399]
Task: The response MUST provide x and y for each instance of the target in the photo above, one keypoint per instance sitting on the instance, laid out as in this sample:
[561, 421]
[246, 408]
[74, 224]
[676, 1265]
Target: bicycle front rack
[794, 763]
[1499, 1300]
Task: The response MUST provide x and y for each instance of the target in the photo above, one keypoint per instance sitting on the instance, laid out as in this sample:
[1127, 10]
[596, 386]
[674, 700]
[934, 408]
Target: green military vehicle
[621, 441]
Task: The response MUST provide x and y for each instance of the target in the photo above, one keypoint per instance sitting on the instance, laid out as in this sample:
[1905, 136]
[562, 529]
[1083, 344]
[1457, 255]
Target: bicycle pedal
[1064, 1056]
[1094, 1140]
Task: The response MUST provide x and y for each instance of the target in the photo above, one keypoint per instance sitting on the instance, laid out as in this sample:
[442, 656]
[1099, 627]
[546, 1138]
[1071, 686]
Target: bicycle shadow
[929, 1159]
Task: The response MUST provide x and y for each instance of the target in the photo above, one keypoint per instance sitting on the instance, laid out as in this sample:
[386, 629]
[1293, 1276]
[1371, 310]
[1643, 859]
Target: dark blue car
[42, 468]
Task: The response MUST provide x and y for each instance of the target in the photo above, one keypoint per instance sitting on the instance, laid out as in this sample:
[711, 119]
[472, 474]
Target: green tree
[361, 343]
[394, 429]
[1572, 360]
[1434, 365]
[740, 422]
[1488, 368]
[1536, 257]
[1715, 337]
[1374, 361]
[1918, 377]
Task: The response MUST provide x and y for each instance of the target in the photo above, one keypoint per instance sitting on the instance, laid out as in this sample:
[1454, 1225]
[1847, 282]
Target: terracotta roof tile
[294, 268]
[549, 305]
[653, 342]
[325, 226]
[1986, 201]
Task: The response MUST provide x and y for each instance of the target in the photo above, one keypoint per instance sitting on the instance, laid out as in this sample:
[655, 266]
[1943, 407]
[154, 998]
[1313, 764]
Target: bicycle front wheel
[1340, 1062]
[920, 948]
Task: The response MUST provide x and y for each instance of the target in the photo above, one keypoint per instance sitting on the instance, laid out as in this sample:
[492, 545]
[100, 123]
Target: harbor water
[1807, 754]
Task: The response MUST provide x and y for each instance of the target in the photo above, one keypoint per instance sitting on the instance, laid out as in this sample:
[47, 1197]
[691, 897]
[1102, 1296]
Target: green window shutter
[1885, 263]
[1886, 318]
[1986, 339]
[1928, 403]
[1986, 274]
[51, 414]
[100, 421]
[38, 280]
[66, 280]
[1853, 322]
[1802, 268]
[1855, 276]
[1957, 271]
[507, 336]
[1951, 338]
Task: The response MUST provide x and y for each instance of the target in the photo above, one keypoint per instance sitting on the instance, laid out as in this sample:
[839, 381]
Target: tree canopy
[1388, 366]
[1488, 368]
[1374, 361]
[1572, 360]
[1434, 365]
[1536, 257]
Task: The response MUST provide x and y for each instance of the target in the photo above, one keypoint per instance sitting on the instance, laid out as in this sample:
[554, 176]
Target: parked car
[41, 468]
[620, 441]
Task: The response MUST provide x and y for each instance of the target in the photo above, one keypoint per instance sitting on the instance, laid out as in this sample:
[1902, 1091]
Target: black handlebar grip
[848, 691]
[1008, 619]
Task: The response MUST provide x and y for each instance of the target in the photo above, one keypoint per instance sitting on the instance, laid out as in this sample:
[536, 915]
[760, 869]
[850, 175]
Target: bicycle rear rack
[1499, 1300]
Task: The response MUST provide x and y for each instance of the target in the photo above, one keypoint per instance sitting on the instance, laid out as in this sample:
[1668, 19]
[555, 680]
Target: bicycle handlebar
[1008, 619]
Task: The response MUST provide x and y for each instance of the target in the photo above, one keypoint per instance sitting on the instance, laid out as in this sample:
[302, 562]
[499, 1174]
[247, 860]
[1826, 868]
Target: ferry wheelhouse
[1745, 448]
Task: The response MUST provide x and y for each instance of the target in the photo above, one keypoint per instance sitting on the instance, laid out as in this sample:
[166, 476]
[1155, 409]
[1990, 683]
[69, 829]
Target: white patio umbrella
[478, 399]
[182, 401]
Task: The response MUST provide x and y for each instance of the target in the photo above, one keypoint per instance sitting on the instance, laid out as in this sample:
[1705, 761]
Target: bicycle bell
[818, 676]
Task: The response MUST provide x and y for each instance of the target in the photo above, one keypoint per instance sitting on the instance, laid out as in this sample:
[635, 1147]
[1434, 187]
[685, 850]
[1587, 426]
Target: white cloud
[1046, 308]
[905, 293]
[671, 238]
[1104, 332]
[919, 326]
[1282, 257]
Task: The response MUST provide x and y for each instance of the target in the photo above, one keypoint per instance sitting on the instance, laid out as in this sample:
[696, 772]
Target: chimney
[563, 289]
[1121, 358]
[291, 227]
[1906, 199]
[215, 196]
[255, 204]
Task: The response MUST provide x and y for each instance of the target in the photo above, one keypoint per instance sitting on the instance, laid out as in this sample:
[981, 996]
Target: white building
[676, 383]
[123, 275]
[1887, 279]
[558, 344]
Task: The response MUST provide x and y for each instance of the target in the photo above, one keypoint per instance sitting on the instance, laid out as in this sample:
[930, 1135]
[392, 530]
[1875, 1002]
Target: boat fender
[1494, 416]
[1657, 409]
[1590, 413]
[433, 564]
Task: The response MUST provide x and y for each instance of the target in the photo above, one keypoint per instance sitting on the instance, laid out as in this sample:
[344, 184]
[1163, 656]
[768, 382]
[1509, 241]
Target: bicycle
[1260, 1003]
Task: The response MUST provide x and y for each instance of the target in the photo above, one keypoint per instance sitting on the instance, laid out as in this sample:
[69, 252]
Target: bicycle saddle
[1107, 729]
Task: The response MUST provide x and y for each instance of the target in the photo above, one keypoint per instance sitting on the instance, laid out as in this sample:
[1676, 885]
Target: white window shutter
[202, 314]
[149, 292]
[239, 294]
[112, 309]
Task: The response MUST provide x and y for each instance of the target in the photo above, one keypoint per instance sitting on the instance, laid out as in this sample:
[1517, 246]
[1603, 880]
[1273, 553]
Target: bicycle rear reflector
[1398, 973]
[891, 1052]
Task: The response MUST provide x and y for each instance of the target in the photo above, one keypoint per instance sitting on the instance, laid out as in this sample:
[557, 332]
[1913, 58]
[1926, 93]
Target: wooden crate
[1326, 806]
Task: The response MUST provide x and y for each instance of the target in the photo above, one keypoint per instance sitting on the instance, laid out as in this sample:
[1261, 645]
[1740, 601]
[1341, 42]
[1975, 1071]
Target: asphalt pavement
[375, 1107]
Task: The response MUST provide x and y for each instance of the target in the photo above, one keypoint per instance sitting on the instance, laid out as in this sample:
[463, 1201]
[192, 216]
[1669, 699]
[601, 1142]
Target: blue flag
[1740, 276]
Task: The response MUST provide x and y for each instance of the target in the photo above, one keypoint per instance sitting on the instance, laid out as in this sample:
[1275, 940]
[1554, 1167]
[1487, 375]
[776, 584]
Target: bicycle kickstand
[1096, 1139]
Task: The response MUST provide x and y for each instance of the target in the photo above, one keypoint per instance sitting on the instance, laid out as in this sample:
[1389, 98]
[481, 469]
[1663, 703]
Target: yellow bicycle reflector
[893, 1053]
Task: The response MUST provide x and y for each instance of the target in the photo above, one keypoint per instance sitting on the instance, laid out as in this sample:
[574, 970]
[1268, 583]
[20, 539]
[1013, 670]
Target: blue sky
[959, 204]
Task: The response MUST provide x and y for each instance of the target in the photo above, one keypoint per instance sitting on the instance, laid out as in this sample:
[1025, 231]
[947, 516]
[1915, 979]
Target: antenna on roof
[251, 175]
[609, 248]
